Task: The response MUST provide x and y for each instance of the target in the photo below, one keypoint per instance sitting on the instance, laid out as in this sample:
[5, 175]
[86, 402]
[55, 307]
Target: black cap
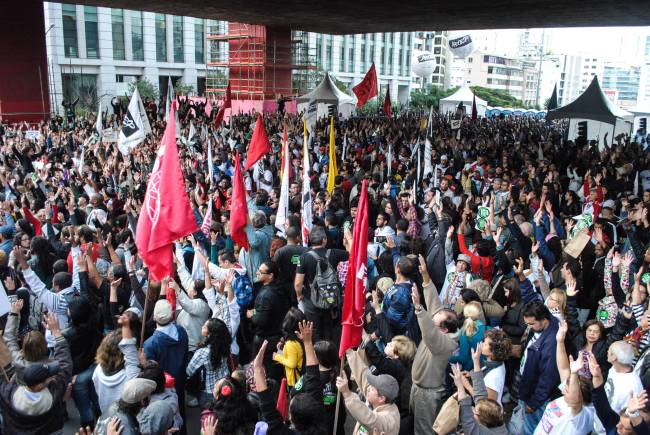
[36, 373]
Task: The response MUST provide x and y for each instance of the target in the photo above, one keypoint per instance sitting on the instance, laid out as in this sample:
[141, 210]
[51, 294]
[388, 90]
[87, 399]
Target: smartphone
[380, 239]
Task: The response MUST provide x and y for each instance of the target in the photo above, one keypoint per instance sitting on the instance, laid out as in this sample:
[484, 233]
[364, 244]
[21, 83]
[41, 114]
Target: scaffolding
[259, 62]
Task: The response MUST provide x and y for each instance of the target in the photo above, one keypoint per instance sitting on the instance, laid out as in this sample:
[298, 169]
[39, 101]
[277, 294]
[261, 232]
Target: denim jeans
[532, 420]
[84, 396]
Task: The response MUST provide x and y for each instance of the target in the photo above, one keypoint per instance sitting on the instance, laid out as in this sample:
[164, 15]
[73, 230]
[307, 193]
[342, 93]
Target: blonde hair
[109, 356]
[472, 312]
[561, 295]
[404, 348]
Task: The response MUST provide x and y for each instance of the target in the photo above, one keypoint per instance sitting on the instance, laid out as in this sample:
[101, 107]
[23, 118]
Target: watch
[634, 414]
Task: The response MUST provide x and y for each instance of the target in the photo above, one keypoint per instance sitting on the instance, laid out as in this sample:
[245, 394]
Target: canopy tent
[325, 95]
[602, 117]
[466, 96]
[591, 104]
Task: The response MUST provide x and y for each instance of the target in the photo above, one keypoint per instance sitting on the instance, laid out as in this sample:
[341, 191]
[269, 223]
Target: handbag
[448, 417]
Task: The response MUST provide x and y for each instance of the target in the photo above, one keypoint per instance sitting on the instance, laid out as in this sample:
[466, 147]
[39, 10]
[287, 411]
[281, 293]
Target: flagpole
[338, 398]
[144, 318]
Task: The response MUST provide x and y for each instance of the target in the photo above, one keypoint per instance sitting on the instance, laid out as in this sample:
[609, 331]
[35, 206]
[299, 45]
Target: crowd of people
[507, 293]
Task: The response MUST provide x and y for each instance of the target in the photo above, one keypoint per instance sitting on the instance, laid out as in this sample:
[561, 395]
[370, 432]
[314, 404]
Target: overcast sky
[613, 43]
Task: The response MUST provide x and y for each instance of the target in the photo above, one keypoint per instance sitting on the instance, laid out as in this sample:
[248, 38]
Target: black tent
[591, 104]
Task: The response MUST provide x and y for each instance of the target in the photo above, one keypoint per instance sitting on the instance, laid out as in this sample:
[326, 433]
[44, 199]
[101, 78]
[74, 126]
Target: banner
[32, 134]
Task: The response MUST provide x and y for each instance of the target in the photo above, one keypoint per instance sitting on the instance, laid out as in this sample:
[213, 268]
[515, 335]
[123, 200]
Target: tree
[432, 97]
[146, 89]
[182, 89]
[498, 98]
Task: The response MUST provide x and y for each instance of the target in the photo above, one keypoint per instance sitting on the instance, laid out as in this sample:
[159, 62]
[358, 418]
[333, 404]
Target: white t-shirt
[559, 419]
[495, 379]
[533, 339]
[618, 387]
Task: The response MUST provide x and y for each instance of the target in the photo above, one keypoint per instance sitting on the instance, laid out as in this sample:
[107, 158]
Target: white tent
[466, 96]
[326, 94]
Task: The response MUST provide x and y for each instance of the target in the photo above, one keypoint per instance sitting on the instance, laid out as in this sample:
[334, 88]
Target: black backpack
[325, 288]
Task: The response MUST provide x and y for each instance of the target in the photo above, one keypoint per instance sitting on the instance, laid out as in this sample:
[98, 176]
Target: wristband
[635, 414]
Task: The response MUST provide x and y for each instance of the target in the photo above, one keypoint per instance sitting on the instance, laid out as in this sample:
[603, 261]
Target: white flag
[428, 166]
[210, 162]
[345, 146]
[170, 98]
[389, 160]
[191, 134]
[204, 132]
[283, 206]
[635, 189]
[135, 125]
[312, 116]
[307, 219]
[99, 127]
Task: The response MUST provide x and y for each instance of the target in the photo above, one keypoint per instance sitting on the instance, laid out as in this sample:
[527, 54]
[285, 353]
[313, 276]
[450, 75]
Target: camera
[380, 239]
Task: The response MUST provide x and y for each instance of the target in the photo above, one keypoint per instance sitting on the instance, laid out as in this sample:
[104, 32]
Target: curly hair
[218, 340]
[500, 344]
[109, 356]
[234, 413]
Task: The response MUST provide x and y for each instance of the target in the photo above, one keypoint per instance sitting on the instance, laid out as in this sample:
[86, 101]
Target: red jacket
[481, 266]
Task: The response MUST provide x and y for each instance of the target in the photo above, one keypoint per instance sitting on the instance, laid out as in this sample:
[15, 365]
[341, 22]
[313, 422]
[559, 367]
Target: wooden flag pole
[144, 319]
[338, 398]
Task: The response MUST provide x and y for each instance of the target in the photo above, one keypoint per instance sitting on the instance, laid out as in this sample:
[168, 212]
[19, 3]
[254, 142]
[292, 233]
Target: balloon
[461, 45]
[423, 64]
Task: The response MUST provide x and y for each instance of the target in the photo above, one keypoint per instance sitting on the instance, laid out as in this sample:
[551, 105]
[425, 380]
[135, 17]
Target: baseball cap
[36, 373]
[464, 257]
[136, 390]
[162, 312]
[386, 385]
[610, 203]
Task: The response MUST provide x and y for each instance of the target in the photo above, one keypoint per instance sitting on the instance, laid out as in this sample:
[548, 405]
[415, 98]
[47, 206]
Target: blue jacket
[540, 376]
[397, 305]
[169, 353]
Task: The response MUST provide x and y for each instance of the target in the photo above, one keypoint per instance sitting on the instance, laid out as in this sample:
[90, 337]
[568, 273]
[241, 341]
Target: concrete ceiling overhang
[364, 16]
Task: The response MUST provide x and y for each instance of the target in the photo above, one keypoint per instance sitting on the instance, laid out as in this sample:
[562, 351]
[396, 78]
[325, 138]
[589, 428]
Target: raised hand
[562, 330]
[305, 331]
[594, 367]
[575, 365]
[628, 259]
[415, 297]
[17, 306]
[637, 402]
[571, 288]
[476, 354]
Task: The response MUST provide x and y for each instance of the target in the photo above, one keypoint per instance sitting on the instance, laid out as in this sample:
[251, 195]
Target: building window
[351, 58]
[199, 40]
[161, 38]
[92, 37]
[117, 23]
[342, 56]
[470, 59]
[137, 43]
[328, 54]
[69, 15]
[82, 86]
[178, 39]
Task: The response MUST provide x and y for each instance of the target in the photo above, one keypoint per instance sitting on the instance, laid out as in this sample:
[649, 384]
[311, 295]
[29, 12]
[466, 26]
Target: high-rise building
[643, 99]
[576, 74]
[436, 43]
[95, 52]
[623, 82]
[348, 58]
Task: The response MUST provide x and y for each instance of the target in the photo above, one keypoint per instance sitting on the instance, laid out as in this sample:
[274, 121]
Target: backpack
[325, 288]
[243, 289]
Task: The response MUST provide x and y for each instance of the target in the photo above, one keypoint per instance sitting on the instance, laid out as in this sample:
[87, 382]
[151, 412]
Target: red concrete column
[23, 58]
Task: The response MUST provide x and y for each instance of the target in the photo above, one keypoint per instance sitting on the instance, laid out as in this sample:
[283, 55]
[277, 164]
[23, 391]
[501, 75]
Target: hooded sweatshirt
[168, 346]
[109, 385]
[31, 413]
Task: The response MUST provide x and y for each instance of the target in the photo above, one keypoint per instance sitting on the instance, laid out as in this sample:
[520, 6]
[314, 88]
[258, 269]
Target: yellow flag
[334, 171]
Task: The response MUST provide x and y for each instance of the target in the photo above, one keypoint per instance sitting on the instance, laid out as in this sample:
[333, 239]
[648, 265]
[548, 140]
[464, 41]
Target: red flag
[387, 110]
[207, 220]
[238, 209]
[281, 404]
[284, 145]
[474, 111]
[166, 213]
[227, 104]
[259, 145]
[354, 300]
[367, 88]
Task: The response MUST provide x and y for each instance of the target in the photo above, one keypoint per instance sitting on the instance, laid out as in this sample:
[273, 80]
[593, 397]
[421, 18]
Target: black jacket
[271, 305]
[513, 323]
[435, 242]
